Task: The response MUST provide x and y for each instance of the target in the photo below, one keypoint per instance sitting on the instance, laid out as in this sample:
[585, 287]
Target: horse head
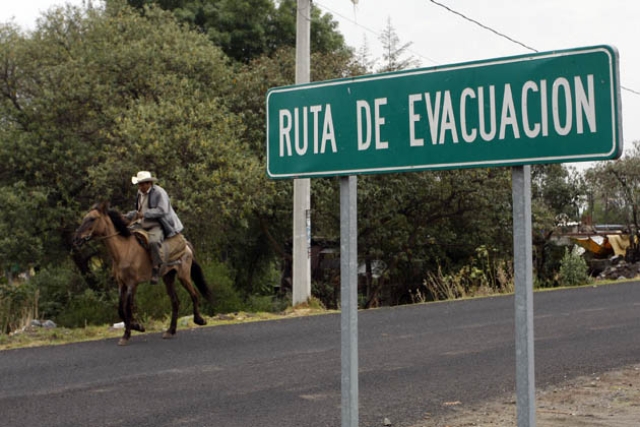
[93, 224]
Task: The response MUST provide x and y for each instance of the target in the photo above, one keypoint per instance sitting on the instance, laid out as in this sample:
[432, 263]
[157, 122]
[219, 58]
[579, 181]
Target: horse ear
[103, 207]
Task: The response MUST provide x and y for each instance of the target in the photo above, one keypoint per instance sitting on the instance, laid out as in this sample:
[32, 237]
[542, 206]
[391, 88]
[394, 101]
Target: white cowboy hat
[143, 176]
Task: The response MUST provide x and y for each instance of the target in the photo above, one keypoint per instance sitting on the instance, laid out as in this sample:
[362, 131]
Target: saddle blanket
[172, 248]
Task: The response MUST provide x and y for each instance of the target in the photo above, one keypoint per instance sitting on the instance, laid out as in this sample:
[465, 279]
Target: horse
[132, 266]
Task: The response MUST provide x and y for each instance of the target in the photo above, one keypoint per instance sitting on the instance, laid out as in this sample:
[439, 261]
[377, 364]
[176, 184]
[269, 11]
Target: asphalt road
[286, 373]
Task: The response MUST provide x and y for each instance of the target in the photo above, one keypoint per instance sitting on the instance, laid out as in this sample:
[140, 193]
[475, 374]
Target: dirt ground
[608, 400]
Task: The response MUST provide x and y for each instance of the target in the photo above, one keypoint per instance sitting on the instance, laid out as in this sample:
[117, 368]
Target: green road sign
[552, 107]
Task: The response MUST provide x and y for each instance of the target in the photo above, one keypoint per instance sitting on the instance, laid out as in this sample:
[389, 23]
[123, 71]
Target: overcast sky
[440, 36]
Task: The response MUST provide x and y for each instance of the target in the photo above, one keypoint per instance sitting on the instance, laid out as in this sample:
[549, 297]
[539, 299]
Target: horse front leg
[169, 283]
[121, 300]
[124, 310]
[135, 323]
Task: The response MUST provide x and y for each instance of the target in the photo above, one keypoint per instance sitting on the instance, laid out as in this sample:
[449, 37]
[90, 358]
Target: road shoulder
[611, 399]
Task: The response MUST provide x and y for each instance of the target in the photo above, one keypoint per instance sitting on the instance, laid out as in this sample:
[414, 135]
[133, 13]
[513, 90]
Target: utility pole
[301, 274]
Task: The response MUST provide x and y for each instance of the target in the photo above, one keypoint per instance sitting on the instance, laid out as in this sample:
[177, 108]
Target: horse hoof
[167, 335]
[137, 327]
[199, 321]
[123, 342]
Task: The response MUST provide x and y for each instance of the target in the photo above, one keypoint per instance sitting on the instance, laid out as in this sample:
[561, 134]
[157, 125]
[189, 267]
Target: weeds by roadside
[31, 336]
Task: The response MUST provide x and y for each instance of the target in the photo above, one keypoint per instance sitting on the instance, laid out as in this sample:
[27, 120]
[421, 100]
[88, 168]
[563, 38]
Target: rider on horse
[154, 215]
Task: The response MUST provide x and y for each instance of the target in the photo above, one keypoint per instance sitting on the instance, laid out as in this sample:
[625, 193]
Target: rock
[36, 322]
[49, 324]
[622, 271]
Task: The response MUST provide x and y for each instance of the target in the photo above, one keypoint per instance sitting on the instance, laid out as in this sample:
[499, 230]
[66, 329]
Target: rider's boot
[156, 261]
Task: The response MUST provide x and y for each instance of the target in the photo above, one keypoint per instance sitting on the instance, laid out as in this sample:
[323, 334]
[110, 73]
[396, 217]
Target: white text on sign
[561, 106]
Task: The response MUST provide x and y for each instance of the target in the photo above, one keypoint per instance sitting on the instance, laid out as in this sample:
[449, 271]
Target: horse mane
[119, 222]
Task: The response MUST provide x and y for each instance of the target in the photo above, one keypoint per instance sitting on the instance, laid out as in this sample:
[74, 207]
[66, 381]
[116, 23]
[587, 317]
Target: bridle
[101, 238]
[89, 237]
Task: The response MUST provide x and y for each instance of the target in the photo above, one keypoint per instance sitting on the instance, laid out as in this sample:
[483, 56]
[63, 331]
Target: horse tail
[198, 278]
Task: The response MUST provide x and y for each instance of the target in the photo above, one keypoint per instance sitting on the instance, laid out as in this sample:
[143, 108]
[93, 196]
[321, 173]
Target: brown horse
[132, 266]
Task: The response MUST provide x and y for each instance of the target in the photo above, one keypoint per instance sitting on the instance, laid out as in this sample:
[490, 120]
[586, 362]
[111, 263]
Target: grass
[38, 336]
[32, 336]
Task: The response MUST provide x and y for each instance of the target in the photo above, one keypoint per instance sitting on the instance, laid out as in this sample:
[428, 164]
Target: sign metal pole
[349, 299]
[523, 277]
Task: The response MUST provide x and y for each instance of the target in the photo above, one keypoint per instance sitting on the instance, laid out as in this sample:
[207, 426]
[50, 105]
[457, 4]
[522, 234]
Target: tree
[557, 197]
[363, 57]
[247, 29]
[269, 225]
[615, 194]
[559, 188]
[393, 51]
[91, 96]
[411, 223]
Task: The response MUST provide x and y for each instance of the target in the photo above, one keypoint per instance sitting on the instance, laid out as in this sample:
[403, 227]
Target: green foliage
[415, 222]
[152, 302]
[548, 258]
[265, 304]
[95, 94]
[88, 99]
[326, 293]
[248, 29]
[484, 274]
[442, 287]
[573, 269]
[614, 196]
[226, 299]
[21, 243]
[18, 305]
[64, 298]
[558, 188]
[89, 308]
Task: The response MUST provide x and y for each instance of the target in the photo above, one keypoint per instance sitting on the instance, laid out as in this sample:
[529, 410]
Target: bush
[57, 285]
[65, 298]
[89, 308]
[226, 298]
[483, 277]
[329, 293]
[153, 302]
[573, 269]
[18, 306]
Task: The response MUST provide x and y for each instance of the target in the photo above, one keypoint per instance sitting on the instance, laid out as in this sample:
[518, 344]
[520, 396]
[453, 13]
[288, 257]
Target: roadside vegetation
[98, 92]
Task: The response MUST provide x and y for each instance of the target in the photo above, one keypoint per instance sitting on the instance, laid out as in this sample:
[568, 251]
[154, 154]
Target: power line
[630, 90]
[375, 33]
[498, 33]
[463, 16]
[483, 26]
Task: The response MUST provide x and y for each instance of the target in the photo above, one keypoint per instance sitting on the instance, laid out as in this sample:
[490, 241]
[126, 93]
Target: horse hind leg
[185, 280]
[169, 283]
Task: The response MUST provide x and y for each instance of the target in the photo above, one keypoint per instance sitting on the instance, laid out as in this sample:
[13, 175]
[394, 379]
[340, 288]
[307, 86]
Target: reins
[107, 237]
